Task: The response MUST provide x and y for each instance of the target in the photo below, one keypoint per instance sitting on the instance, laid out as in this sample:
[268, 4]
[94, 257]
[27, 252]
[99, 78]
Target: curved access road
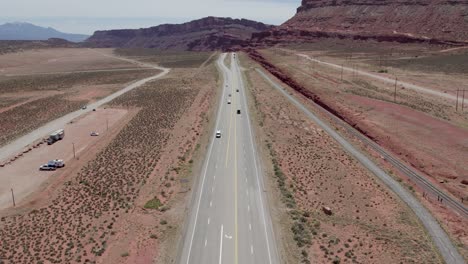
[229, 221]
[441, 240]
[20, 143]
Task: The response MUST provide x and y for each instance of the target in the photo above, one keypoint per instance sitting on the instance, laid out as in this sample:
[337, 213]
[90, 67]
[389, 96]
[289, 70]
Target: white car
[84, 107]
[94, 134]
[229, 102]
[218, 133]
[47, 167]
[57, 163]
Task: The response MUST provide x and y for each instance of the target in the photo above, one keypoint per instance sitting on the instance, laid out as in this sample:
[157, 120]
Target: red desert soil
[424, 131]
[58, 60]
[368, 223]
[141, 233]
[418, 130]
[23, 175]
[28, 100]
[129, 197]
[386, 129]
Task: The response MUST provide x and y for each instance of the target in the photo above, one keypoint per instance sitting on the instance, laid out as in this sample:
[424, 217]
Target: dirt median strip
[438, 235]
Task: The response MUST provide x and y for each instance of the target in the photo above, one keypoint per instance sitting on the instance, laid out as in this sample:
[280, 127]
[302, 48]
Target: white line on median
[221, 245]
[206, 169]
[256, 167]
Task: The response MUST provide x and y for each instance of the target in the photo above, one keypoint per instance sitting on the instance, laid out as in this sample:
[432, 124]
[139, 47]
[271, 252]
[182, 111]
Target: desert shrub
[153, 204]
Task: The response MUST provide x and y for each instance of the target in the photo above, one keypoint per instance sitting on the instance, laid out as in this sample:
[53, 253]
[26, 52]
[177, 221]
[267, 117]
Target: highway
[440, 239]
[20, 143]
[229, 221]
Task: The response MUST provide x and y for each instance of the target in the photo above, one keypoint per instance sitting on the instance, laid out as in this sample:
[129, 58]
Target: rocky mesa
[209, 33]
[436, 21]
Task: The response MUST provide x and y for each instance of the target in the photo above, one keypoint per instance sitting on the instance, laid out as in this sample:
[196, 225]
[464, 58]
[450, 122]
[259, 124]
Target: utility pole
[394, 93]
[74, 154]
[341, 72]
[456, 105]
[13, 196]
[463, 100]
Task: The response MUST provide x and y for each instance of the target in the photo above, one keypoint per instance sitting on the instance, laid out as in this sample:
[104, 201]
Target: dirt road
[23, 174]
[384, 79]
[19, 144]
[440, 238]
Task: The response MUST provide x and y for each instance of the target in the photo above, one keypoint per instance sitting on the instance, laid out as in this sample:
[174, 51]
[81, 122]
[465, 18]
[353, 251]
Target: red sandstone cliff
[204, 34]
[436, 21]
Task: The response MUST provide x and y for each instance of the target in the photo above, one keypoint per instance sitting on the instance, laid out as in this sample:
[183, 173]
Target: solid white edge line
[221, 245]
[220, 64]
[255, 161]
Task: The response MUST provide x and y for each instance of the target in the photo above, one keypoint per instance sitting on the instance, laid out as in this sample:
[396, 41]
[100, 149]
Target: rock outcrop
[432, 21]
[209, 33]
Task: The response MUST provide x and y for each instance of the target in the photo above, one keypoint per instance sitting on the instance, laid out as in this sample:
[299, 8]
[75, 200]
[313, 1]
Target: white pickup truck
[57, 163]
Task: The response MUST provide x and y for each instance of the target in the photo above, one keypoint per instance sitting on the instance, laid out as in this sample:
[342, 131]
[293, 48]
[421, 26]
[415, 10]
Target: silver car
[47, 167]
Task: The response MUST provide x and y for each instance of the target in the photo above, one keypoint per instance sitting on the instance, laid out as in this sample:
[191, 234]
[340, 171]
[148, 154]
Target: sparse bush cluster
[177, 59]
[407, 98]
[68, 80]
[77, 224]
[313, 173]
[26, 117]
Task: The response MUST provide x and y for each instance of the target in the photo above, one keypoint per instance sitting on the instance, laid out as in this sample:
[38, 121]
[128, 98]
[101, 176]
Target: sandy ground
[141, 234]
[97, 210]
[23, 175]
[424, 131]
[58, 60]
[421, 129]
[373, 63]
[41, 94]
[368, 223]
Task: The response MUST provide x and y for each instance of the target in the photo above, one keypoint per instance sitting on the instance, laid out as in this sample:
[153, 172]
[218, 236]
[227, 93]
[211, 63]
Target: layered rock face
[204, 34]
[418, 19]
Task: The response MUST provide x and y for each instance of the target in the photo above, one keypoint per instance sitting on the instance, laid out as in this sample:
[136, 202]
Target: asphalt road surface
[20, 143]
[439, 237]
[229, 221]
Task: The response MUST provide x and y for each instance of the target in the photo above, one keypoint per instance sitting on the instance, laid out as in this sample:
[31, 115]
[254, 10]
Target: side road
[381, 78]
[19, 144]
[438, 235]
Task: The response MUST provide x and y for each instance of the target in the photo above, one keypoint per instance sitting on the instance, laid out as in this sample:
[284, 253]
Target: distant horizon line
[87, 25]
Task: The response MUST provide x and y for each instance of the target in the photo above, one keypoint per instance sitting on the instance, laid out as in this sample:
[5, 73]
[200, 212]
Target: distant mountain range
[27, 31]
[209, 33]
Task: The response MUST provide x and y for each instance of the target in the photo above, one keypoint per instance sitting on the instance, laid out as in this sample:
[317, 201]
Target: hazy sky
[86, 16]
